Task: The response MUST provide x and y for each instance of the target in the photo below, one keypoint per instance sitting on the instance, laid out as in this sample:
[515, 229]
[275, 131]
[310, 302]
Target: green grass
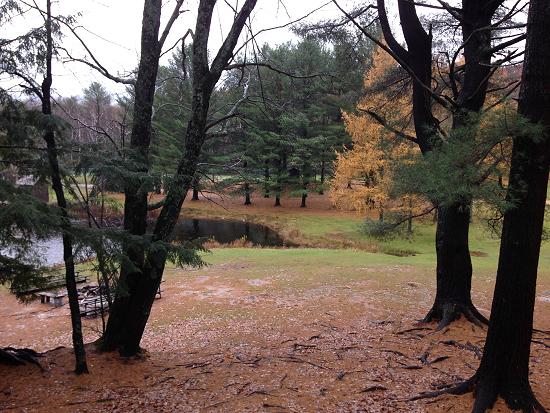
[332, 230]
[483, 244]
[309, 259]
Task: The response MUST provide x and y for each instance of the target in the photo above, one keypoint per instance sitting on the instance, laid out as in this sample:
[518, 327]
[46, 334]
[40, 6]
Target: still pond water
[222, 231]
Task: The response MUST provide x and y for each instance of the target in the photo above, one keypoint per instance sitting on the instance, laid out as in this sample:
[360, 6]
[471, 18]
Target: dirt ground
[250, 335]
[218, 204]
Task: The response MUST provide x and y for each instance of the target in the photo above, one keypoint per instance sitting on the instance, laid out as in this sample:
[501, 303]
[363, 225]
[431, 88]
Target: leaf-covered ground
[303, 330]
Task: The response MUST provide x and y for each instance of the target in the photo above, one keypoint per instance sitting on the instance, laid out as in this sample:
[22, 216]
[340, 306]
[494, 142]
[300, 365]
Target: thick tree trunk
[504, 368]
[469, 99]
[303, 203]
[132, 317]
[454, 267]
[135, 201]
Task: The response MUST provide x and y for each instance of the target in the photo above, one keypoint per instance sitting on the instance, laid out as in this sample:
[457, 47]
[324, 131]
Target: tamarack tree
[363, 174]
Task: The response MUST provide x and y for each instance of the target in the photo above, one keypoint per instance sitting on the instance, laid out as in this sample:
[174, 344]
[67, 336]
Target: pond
[227, 231]
[220, 230]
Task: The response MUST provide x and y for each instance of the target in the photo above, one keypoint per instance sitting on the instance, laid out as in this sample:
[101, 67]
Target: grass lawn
[340, 230]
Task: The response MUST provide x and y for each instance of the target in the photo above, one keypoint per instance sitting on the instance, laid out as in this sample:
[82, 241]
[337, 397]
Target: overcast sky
[112, 28]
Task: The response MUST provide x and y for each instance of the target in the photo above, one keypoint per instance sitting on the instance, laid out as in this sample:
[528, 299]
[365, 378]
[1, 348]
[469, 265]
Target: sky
[111, 29]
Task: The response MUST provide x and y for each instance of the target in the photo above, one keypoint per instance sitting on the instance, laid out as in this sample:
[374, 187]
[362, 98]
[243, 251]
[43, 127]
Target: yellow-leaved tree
[379, 130]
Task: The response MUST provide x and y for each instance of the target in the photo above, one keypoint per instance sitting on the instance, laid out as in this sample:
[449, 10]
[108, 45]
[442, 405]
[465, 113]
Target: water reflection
[222, 231]
[227, 231]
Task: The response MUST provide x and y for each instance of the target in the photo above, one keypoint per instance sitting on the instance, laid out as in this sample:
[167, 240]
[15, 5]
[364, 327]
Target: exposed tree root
[457, 390]
[486, 393]
[18, 357]
[447, 313]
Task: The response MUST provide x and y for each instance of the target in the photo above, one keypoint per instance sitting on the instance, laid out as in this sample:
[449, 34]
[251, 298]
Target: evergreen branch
[409, 217]
[503, 98]
[96, 65]
[32, 85]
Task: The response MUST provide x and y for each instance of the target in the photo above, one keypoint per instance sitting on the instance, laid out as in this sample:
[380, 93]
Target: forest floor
[325, 329]
[269, 330]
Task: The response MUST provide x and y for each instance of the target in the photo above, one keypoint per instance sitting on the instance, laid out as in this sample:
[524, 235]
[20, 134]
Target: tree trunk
[49, 137]
[470, 99]
[279, 184]
[135, 201]
[504, 368]
[196, 181]
[410, 220]
[247, 200]
[132, 314]
[306, 171]
[454, 267]
[266, 180]
[321, 190]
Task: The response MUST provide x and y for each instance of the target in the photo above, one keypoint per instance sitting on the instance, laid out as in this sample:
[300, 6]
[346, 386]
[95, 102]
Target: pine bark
[454, 265]
[454, 269]
[504, 368]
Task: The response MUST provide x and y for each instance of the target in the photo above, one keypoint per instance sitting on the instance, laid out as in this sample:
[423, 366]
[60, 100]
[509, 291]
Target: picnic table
[93, 306]
[52, 283]
[57, 296]
[98, 304]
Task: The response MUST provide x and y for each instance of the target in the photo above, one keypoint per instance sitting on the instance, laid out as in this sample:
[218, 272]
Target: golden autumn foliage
[362, 173]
